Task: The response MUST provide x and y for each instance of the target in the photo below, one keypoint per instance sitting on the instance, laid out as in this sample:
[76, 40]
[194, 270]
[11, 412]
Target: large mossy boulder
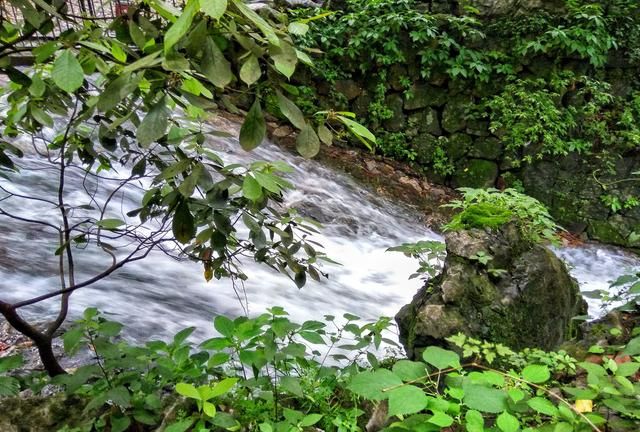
[523, 296]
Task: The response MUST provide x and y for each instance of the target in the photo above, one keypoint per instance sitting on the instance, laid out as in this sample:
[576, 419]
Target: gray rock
[476, 173]
[398, 121]
[349, 88]
[424, 95]
[531, 305]
[486, 148]
[426, 121]
[454, 114]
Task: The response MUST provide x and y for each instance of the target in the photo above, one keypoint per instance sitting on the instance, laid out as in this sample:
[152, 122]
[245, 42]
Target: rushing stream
[157, 296]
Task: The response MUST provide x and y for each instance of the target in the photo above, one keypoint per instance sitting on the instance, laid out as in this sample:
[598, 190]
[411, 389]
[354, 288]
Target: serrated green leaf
[542, 405]
[507, 422]
[483, 398]
[409, 370]
[536, 374]
[441, 358]
[474, 422]
[370, 385]
[406, 399]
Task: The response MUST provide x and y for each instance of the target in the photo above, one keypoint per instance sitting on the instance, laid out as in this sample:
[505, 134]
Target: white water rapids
[158, 296]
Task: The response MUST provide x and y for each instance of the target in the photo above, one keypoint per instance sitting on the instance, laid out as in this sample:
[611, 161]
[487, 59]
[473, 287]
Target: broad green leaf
[310, 420]
[224, 325]
[627, 369]
[152, 59]
[543, 405]
[536, 374]
[183, 225]
[312, 337]
[40, 116]
[292, 385]
[118, 53]
[307, 142]
[37, 87]
[441, 358]
[67, 72]
[325, 135]
[137, 35]
[441, 419]
[370, 385]
[110, 224]
[409, 370]
[222, 387]
[250, 71]
[214, 8]
[209, 409]
[180, 27]
[406, 399]
[474, 422]
[291, 111]
[9, 386]
[180, 426]
[516, 395]
[507, 423]
[266, 29]
[285, 58]
[154, 125]
[563, 427]
[215, 66]
[357, 129]
[11, 362]
[119, 396]
[251, 189]
[117, 90]
[254, 128]
[188, 390]
[633, 347]
[485, 399]
[298, 28]
[120, 424]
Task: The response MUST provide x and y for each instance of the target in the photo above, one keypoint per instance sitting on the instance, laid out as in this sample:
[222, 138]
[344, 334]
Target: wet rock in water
[522, 297]
[40, 413]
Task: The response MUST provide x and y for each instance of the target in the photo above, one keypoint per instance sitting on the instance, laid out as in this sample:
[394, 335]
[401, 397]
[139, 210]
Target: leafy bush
[492, 208]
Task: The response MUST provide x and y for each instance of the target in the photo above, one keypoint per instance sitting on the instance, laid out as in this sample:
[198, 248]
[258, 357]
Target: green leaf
[251, 189]
[67, 72]
[409, 370]
[483, 398]
[110, 224]
[180, 27]
[441, 419]
[627, 369]
[254, 128]
[370, 385]
[250, 71]
[543, 405]
[507, 423]
[474, 421]
[536, 374]
[11, 362]
[325, 135]
[214, 8]
[360, 131]
[222, 387]
[310, 420]
[285, 58]
[119, 396]
[117, 90]
[71, 339]
[215, 66]
[188, 390]
[307, 142]
[258, 21]
[291, 111]
[298, 28]
[120, 424]
[312, 337]
[37, 87]
[224, 325]
[209, 409]
[183, 225]
[633, 347]
[563, 427]
[406, 399]
[180, 426]
[441, 358]
[154, 125]
[9, 386]
[137, 36]
[292, 385]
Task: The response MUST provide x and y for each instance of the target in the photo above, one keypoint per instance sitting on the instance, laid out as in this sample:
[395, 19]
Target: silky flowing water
[158, 296]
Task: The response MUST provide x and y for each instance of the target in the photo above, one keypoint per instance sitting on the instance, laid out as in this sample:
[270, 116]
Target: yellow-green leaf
[213, 8]
[67, 72]
[250, 71]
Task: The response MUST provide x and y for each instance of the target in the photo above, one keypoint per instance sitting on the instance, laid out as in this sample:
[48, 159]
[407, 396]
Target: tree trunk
[48, 358]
